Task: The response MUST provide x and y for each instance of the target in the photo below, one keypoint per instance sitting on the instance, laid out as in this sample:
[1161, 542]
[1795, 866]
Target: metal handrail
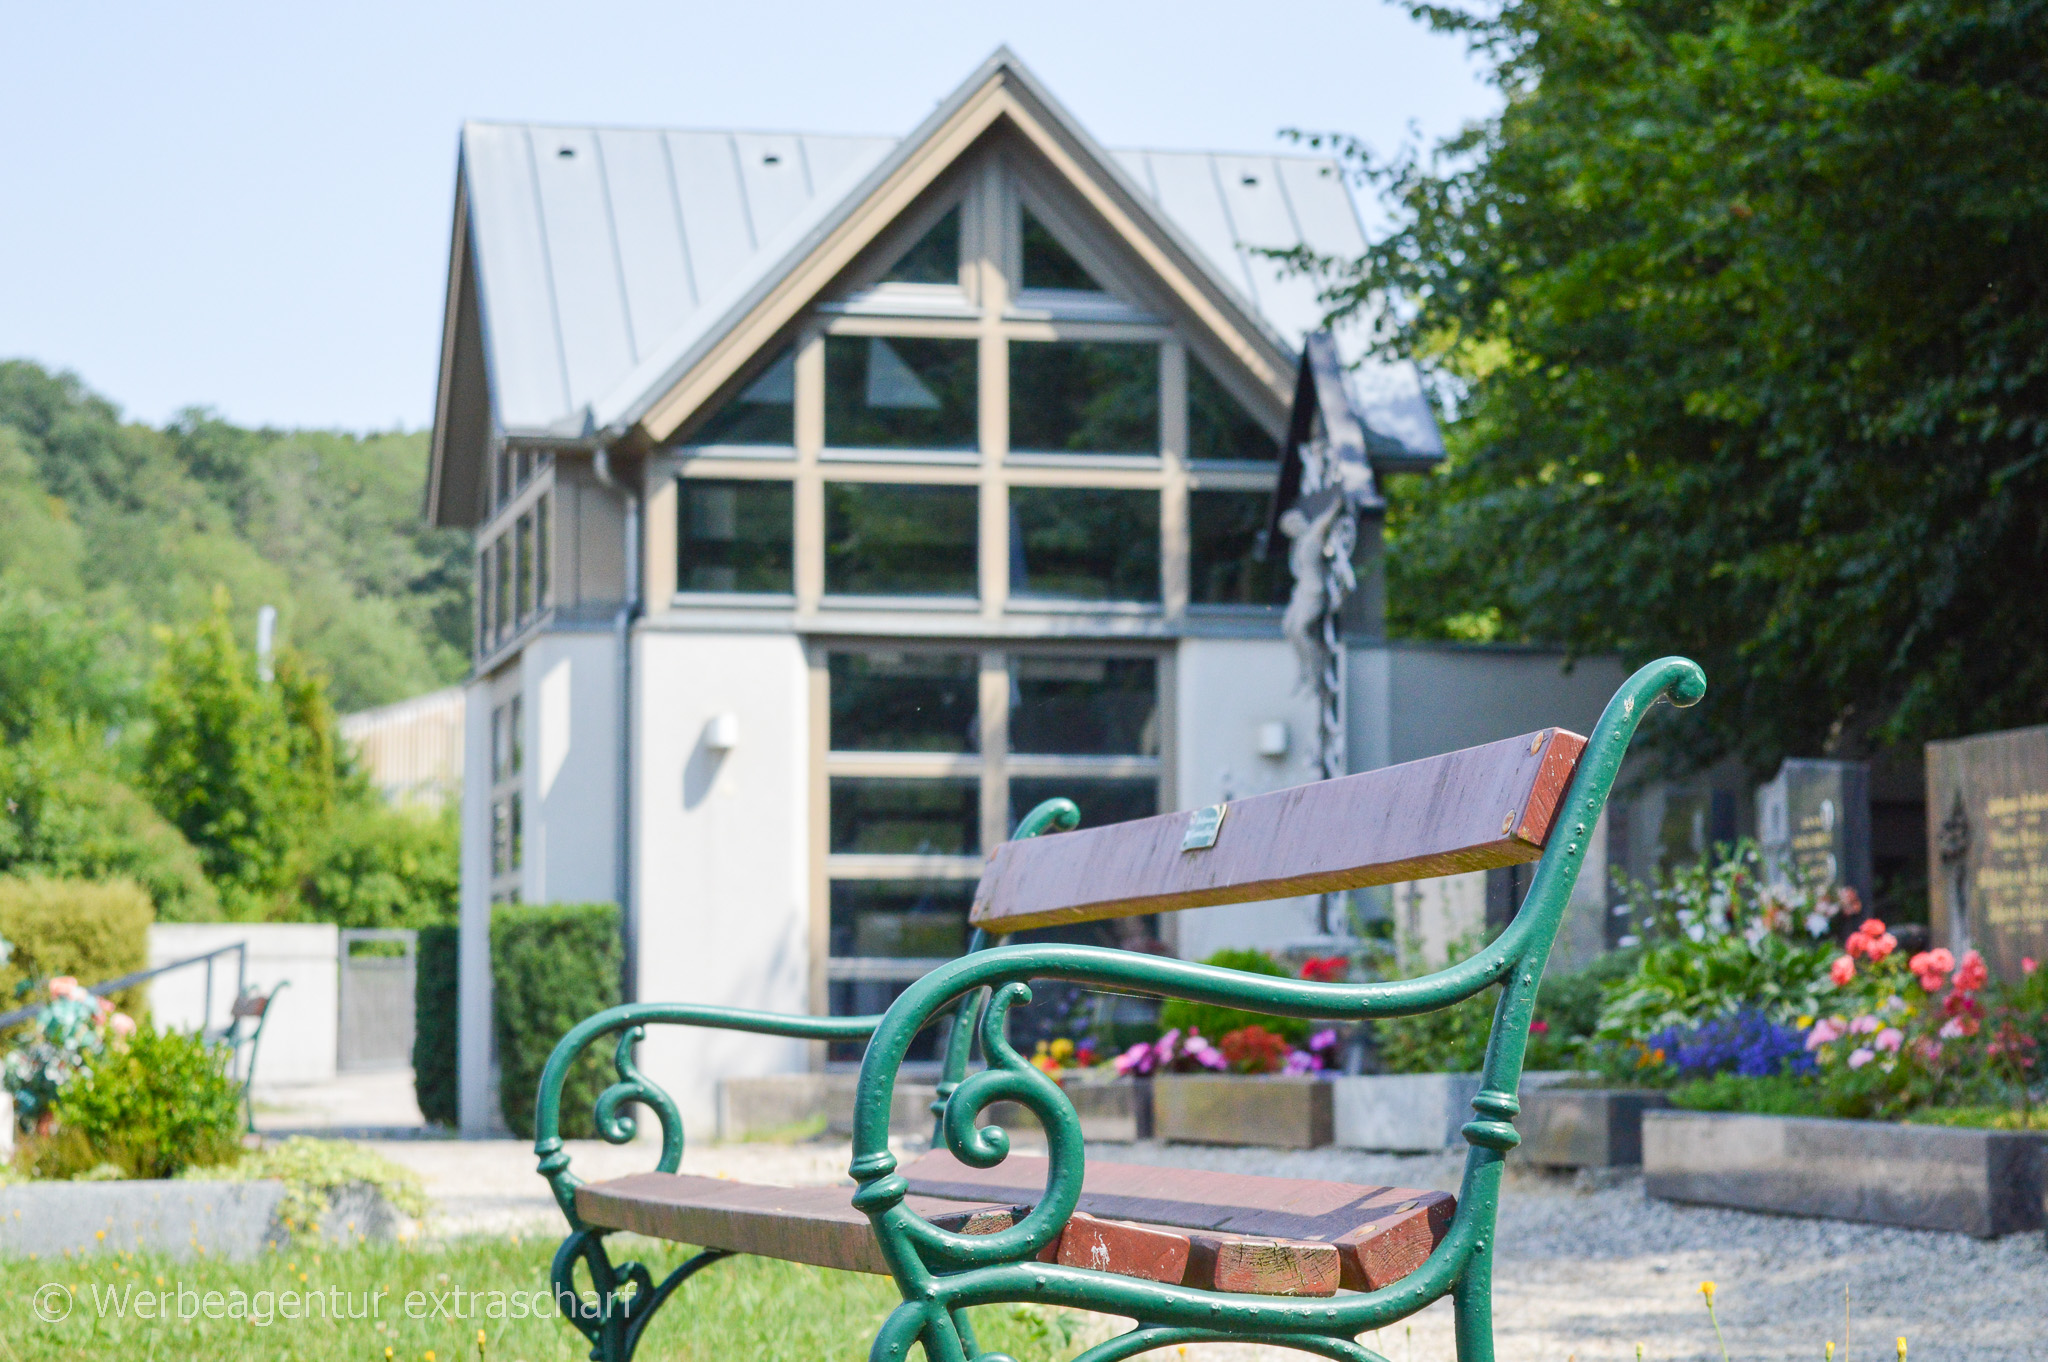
[239, 949]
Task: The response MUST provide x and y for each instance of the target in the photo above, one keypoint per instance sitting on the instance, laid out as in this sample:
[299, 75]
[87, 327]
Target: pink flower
[1842, 971]
[1826, 1031]
[1971, 974]
[1860, 1057]
[1955, 1028]
[1890, 1039]
[1931, 968]
[64, 986]
[121, 1024]
[1864, 1025]
[1537, 1028]
[2028, 964]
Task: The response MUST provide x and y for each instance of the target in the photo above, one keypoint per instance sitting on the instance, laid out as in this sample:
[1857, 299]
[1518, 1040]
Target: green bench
[1188, 1256]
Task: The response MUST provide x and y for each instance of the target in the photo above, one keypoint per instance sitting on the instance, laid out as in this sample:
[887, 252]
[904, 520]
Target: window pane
[899, 393]
[518, 833]
[868, 997]
[541, 548]
[1223, 531]
[1084, 706]
[762, 413]
[1219, 428]
[892, 539]
[501, 837]
[1101, 799]
[515, 736]
[486, 617]
[1047, 264]
[905, 702]
[504, 586]
[935, 259]
[894, 817]
[735, 535]
[1084, 544]
[498, 744]
[522, 569]
[1084, 397]
[900, 919]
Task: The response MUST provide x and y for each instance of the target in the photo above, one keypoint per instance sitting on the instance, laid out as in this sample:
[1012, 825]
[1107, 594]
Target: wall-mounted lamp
[1273, 739]
[722, 733]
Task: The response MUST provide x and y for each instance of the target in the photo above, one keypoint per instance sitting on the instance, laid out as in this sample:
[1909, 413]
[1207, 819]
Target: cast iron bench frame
[942, 1271]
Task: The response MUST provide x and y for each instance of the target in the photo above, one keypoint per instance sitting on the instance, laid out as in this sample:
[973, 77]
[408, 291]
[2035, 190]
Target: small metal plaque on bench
[1203, 825]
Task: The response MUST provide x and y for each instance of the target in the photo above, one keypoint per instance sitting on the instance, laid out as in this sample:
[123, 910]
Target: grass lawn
[379, 1297]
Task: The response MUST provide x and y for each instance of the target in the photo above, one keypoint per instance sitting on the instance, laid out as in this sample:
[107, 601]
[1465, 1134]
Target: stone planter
[1413, 1113]
[1111, 1109]
[1585, 1127]
[222, 1219]
[1243, 1109]
[1981, 1182]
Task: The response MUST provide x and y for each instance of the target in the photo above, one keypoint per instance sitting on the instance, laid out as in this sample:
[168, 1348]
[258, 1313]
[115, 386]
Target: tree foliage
[1740, 308]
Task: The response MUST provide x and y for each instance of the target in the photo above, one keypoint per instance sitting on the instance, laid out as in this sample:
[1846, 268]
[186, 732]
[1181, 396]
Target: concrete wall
[1225, 689]
[721, 868]
[1408, 701]
[300, 1034]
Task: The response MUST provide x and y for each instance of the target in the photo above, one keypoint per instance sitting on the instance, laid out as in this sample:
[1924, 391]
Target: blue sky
[246, 207]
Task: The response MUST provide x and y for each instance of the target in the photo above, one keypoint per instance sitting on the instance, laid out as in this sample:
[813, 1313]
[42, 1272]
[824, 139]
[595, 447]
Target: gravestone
[1813, 825]
[1987, 846]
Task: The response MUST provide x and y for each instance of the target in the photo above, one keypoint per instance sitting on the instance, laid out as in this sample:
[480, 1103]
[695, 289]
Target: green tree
[376, 866]
[1742, 311]
[248, 771]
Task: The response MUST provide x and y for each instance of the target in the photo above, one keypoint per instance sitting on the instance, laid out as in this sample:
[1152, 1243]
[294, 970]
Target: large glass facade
[1084, 543]
[901, 539]
[735, 535]
[1224, 529]
[884, 701]
[1084, 397]
[900, 393]
[1065, 705]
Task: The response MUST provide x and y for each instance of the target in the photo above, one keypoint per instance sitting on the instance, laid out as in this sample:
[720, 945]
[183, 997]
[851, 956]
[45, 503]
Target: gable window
[900, 393]
[901, 539]
[1223, 536]
[1048, 264]
[1219, 427]
[935, 259]
[735, 535]
[1084, 543]
[762, 413]
[1084, 397]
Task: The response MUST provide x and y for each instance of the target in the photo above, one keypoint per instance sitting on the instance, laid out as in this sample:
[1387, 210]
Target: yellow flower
[1805, 1023]
[1707, 1290]
[1902, 1348]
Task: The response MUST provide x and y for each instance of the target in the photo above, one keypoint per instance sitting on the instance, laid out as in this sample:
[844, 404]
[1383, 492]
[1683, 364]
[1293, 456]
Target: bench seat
[1231, 1232]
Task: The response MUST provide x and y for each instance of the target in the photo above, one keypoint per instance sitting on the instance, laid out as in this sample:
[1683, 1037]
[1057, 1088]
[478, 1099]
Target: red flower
[1843, 970]
[1538, 1028]
[1326, 969]
[1971, 975]
[1255, 1050]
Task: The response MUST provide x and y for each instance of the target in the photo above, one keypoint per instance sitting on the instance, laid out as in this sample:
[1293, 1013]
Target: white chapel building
[837, 499]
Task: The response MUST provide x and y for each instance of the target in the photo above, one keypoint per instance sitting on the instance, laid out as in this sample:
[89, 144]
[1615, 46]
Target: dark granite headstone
[1987, 846]
[1813, 824]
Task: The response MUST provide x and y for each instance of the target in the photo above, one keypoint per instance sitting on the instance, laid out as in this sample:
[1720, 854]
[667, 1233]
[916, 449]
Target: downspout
[622, 631]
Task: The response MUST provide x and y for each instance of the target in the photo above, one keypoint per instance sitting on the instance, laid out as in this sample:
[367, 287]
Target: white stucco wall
[300, 1032]
[478, 1107]
[571, 780]
[1225, 689]
[721, 863]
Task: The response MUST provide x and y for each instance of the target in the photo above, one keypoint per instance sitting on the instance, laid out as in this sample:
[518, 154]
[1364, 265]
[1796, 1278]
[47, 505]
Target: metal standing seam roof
[601, 252]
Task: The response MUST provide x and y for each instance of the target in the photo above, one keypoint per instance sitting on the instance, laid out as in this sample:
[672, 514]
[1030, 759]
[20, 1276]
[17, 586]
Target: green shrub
[1217, 1022]
[436, 1003]
[92, 932]
[1454, 1039]
[1772, 1095]
[376, 866]
[552, 965]
[153, 1107]
[64, 817]
[313, 1171]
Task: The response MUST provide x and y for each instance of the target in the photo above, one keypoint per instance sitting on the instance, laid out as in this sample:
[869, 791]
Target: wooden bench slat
[1381, 1234]
[1478, 809]
[816, 1225]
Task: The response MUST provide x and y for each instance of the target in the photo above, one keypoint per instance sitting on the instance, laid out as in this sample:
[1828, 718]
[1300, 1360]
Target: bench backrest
[1476, 809]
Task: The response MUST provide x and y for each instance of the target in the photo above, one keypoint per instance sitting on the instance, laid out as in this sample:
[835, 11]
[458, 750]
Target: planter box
[224, 1219]
[1115, 1110]
[1585, 1127]
[1413, 1113]
[1268, 1110]
[1981, 1182]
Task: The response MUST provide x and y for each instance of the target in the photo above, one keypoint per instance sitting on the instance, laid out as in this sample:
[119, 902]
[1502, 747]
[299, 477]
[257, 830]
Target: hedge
[436, 1013]
[93, 931]
[552, 965]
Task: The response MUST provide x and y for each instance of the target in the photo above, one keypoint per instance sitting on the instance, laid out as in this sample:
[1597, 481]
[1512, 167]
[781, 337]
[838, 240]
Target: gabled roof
[594, 269]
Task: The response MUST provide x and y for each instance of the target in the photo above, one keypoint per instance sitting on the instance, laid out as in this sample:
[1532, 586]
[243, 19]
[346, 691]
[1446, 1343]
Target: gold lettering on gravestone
[2011, 884]
[1813, 846]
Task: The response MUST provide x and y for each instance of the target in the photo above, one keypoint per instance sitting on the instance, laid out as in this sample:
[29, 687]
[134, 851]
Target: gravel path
[1584, 1271]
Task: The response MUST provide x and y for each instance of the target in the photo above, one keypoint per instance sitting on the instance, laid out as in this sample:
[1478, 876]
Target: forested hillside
[138, 738]
[139, 525]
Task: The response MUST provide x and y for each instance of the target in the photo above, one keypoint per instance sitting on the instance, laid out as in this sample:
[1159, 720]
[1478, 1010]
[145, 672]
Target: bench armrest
[618, 1126]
